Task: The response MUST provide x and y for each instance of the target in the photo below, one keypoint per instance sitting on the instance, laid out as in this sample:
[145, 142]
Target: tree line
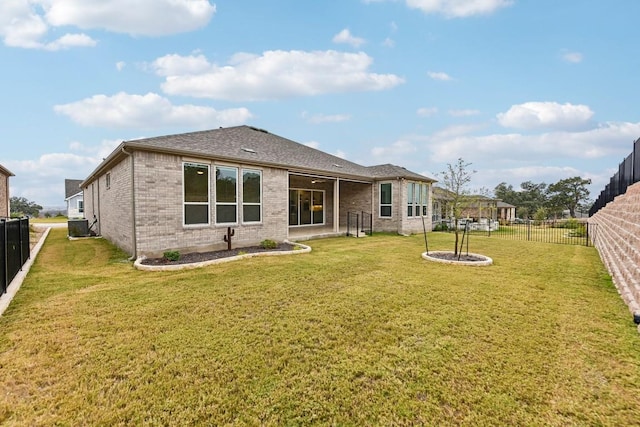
[541, 201]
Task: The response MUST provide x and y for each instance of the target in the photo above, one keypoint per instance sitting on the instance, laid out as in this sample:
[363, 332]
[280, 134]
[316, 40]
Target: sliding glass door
[306, 207]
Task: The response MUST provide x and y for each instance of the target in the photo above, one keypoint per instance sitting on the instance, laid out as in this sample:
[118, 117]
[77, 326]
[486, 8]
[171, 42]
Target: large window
[196, 193]
[385, 199]
[417, 199]
[251, 195]
[226, 195]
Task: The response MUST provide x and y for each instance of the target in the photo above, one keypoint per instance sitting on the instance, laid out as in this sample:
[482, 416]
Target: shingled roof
[71, 187]
[257, 146]
[5, 171]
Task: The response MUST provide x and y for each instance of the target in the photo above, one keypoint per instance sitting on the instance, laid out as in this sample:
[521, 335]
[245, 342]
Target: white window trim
[216, 203]
[380, 204]
[259, 171]
[208, 203]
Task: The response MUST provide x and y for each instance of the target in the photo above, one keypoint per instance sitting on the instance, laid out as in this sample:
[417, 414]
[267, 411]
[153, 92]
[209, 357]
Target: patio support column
[336, 205]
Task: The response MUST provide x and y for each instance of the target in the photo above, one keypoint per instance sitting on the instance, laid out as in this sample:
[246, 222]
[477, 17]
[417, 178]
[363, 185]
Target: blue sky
[524, 90]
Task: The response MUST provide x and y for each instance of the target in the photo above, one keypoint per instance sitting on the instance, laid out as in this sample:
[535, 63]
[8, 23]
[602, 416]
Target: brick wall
[159, 204]
[4, 195]
[617, 238]
[112, 205]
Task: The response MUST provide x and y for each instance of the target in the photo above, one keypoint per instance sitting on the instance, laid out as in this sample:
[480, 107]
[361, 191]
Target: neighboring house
[506, 212]
[476, 207]
[5, 207]
[182, 192]
[74, 198]
[442, 211]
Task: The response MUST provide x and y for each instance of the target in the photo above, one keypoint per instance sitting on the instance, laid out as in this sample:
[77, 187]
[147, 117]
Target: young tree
[455, 180]
[21, 206]
[570, 193]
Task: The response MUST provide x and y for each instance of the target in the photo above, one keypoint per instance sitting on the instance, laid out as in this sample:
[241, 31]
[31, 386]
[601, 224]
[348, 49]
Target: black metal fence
[570, 232]
[359, 222]
[14, 249]
[628, 173]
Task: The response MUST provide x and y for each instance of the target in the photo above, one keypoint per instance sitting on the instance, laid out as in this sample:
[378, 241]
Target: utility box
[78, 227]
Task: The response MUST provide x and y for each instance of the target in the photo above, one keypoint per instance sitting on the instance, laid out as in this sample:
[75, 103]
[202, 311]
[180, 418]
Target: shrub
[441, 227]
[172, 255]
[268, 244]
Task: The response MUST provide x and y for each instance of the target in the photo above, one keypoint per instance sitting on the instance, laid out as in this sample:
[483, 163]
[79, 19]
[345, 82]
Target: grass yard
[358, 332]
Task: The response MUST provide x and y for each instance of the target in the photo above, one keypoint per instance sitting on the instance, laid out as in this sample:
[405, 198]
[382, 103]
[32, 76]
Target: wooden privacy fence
[14, 249]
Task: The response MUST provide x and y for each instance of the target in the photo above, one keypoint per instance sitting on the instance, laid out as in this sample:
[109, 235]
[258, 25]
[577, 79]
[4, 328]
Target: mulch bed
[194, 257]
[451, 257]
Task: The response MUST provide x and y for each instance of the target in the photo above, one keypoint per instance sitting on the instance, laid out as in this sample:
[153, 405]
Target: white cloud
[394, 151]
[341, 154]
[458, 8]
[327, 118]
[273, 75]
[435, 75]
[514, 157]
[388, 42]
[71, 40]
[608, 139]
[148, 17]
[313, 144]
[147, 111]
[345, 36]
[463, 113]
[546, 115]
[26, 23]
[427, 112]
[573, 57]
[120, 65]
[42, 180]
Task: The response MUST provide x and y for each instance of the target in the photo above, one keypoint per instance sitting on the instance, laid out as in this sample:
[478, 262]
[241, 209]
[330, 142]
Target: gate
[14, 249]
[359, 223]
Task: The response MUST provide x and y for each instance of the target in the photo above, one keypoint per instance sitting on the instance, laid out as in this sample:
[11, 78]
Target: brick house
[181, 192]
[5, 208]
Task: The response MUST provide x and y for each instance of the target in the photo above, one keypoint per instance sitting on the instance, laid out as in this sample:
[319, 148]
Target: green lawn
[357, 332]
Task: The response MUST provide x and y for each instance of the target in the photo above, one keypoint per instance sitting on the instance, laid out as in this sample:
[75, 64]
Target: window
[425, 199]
[108, 180]
[226, 195]
[385, 199]
[80, 206]
[251, 195]
[417, 199]
[411, 194]
[195, 179]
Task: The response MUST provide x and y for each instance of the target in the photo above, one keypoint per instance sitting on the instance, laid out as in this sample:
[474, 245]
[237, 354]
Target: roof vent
[248, 150]
[335, 165]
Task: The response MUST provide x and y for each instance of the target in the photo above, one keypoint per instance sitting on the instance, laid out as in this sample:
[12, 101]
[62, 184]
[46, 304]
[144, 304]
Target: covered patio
[319, 205]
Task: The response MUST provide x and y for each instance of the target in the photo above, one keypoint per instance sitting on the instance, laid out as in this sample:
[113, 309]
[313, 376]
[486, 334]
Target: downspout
[133, 207]
[336, 205]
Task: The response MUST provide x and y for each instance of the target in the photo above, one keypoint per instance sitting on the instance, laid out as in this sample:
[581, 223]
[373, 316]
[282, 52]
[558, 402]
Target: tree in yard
[571, 193]
[532, 197]
[20, 206]
[455, 180]
[507, 194]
